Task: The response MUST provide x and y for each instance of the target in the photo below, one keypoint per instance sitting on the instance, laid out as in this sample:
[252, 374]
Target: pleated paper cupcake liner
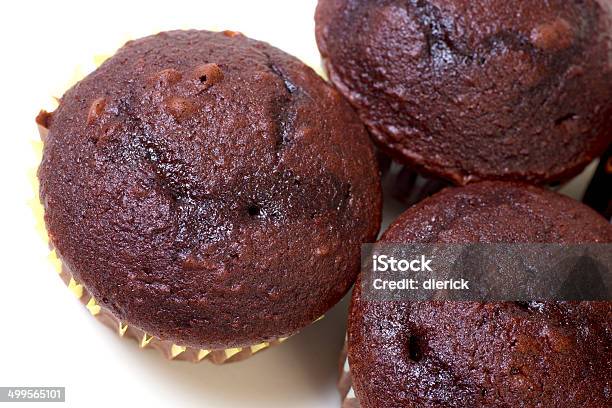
[345, 381]
[168, 349]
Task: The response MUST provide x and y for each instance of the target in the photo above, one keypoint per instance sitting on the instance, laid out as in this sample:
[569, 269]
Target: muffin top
[470, 89]
[209, 189]
[500, 354]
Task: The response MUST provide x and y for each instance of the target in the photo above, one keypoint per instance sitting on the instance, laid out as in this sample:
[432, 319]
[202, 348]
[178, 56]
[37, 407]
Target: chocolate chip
[208, 74]
[166, 77]
[179, 108]
[95, 110]
[230, 33]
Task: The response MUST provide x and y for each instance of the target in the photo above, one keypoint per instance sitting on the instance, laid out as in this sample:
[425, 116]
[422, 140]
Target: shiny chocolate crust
[470, 90]
[468, 354]
[209, 189]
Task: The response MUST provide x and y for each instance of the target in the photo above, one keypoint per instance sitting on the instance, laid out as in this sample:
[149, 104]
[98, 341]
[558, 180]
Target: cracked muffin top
[469, 90]
[498, 354]
[209, 189]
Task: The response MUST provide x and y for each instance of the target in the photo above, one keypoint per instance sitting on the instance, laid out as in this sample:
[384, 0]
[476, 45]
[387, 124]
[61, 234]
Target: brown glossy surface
[209, 189]
[467, 354]
[470, 90]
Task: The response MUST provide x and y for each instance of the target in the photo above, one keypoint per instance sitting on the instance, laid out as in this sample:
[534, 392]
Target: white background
[46, 337]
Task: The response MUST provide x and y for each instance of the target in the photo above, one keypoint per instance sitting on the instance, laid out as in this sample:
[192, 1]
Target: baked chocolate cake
[209, 189]
[470, 90]
[501, 354]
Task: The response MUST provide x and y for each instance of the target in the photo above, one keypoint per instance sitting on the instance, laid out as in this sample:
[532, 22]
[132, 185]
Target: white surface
[46, 337]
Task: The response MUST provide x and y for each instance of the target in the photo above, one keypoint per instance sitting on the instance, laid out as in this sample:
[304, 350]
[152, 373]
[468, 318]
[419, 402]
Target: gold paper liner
[345, 381]
[168, 349]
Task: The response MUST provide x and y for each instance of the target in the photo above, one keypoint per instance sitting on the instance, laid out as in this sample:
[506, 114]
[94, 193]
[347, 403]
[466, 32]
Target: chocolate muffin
[209, 189]
[469, 90]
[500, 354]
